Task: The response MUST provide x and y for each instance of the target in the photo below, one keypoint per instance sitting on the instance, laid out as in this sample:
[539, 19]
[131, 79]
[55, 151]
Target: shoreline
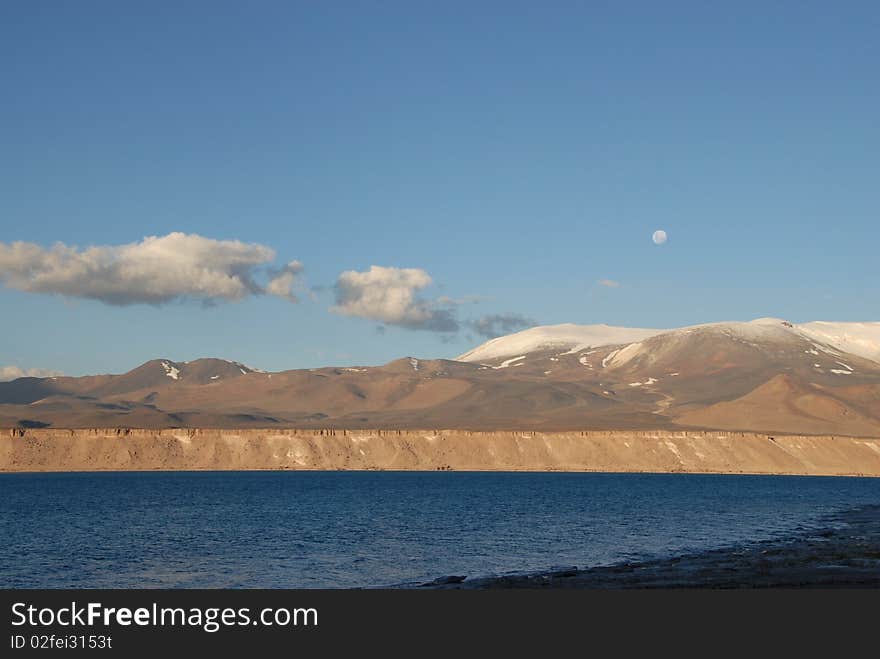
[845, 553]
[589, 451]
[434, 471]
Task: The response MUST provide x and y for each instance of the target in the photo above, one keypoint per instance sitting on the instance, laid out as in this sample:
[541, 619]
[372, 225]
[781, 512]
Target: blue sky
[517, 153]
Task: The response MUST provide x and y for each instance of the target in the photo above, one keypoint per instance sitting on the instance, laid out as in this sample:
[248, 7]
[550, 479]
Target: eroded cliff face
[611, 451]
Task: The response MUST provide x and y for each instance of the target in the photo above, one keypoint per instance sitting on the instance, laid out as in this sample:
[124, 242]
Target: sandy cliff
[630, 451]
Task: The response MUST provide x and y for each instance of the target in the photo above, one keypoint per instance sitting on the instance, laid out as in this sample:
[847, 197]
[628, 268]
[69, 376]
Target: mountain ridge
[763, 375]
[861, 338]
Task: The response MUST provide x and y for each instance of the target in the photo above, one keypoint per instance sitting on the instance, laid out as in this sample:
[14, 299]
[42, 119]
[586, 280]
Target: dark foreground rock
[845, 554]
[443, 581]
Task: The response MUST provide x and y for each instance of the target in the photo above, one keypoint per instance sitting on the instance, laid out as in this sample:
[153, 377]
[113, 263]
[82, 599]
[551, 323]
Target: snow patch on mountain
[609, 357]
[171, 371]
[626, 354]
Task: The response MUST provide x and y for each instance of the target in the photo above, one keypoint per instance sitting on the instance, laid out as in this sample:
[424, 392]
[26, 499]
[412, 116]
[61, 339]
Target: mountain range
[767, 375]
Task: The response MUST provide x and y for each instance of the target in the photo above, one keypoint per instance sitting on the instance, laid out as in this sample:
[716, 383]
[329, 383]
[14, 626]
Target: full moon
[659, 237]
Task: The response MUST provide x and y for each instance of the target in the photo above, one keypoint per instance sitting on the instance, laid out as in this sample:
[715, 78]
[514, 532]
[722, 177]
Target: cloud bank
[189, 267]
[8, 373]
[156, 270]
[494, 325]
[608, 283]
[389, 295]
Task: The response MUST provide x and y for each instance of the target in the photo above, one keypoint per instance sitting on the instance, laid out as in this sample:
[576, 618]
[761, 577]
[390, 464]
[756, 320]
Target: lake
[367, 529]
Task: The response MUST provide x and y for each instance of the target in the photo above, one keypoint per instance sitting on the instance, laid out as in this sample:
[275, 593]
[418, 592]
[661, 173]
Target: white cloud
[389, 295]
[445, 300]
[156, 270]
[8, 373]
[608, 283]
[283, 282]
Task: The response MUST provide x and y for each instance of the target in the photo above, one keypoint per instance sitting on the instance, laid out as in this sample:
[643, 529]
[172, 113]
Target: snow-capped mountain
[862, 339]
[567, 336]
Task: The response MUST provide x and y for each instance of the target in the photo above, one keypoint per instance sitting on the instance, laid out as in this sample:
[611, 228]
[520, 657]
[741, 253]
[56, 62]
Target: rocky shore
[843, 554]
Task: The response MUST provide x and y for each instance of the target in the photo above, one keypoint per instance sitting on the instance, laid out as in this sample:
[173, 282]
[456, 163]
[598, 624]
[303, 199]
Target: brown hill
[786, 404]
[761, 376]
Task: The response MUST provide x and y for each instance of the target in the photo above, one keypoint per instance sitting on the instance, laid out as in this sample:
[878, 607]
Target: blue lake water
[347, 529]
